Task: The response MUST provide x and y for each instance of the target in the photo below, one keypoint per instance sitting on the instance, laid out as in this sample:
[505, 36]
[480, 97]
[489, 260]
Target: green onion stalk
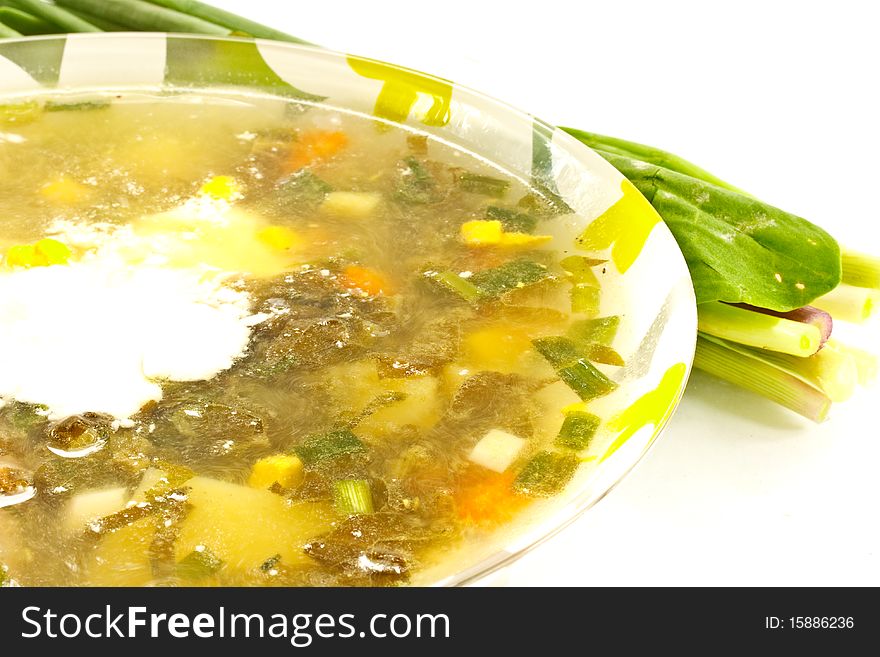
[768, 283]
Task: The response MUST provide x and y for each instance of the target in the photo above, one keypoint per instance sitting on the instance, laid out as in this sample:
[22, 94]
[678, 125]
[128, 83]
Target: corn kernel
[481, 231]
[278, 237]
[523, 239]
[283, 469]
[222, 188]
[51, 252]
[21, 255]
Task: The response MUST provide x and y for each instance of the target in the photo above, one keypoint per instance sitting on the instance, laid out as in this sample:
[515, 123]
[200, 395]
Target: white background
[780, 98]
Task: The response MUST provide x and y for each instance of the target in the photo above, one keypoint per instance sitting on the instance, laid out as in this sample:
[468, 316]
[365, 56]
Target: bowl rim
[554, 521]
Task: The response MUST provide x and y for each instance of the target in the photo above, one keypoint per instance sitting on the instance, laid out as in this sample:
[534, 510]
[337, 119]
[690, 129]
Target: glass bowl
[645, 279]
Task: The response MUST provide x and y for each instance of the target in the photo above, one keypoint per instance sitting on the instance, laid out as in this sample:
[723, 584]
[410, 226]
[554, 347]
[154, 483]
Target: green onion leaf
[577, 431]
[546, 474]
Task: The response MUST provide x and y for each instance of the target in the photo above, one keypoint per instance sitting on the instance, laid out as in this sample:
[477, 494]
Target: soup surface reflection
[247, 341]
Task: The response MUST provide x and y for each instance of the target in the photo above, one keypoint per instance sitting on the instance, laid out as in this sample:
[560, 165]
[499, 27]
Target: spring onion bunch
[769, 284]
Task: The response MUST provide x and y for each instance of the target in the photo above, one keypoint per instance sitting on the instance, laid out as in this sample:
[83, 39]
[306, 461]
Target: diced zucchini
[600, 353]
[577, 431]
[415, 183]
[455, 284]
[519, 222]
[601, 330]
[546, 474]
[479, 184]
[587, 381]
[509, 276]
[497, 450]
[302, 188]
[558, 351]
[199, 564]
[585, 299]
[580, 269]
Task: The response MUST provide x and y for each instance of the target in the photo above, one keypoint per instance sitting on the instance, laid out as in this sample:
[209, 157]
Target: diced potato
[283, 469]
[497, 450]
[150, 479]
[354, 205]
[496, 348]
[454, 374]
[244, 526]
[92, 505]
[122, 558]
[64, 191]
[420, 408]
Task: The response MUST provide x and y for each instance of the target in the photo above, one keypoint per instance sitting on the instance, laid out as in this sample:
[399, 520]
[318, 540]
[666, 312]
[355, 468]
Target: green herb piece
[325, 446]
[19, 112]
[600, 353]
[546, 474]
[199, 564]
[270, 564]
[415, 183]
[577, 431]
[587, 381]
[452, 282]
[585, 299]
[601, 330]
[513, 221]
[479, 184]
[580, 268]
[25, 417]
[509, 276]
[76, 106]
[302, 188]
[352, 496]
[559, 351]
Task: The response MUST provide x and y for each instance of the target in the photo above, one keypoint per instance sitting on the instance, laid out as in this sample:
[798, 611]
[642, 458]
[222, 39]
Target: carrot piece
[485, 497]
[366, 280]
[314, 147]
